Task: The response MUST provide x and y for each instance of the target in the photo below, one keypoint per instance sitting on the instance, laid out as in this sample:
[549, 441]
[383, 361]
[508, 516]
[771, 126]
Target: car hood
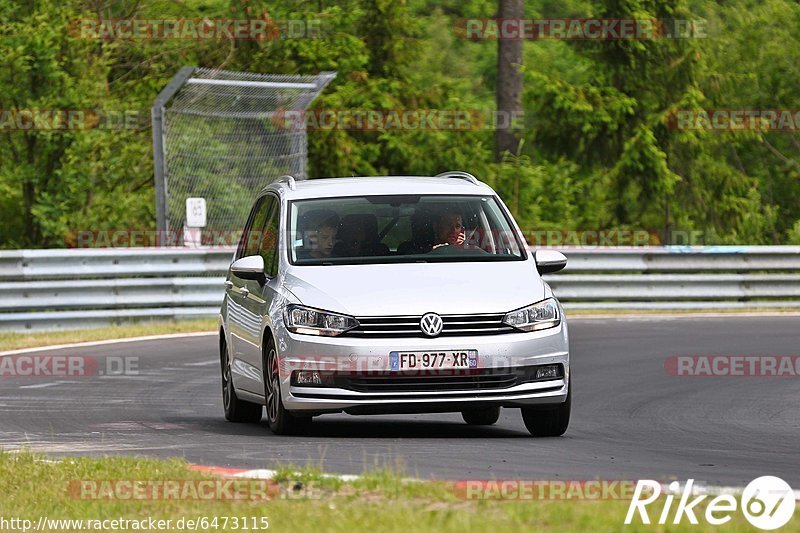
[417, 288]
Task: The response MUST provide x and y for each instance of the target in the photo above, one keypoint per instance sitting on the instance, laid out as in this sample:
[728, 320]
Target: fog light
[548, 372]
[307, 377]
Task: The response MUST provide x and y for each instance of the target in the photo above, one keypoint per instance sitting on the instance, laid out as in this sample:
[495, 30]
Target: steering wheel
[450, 249]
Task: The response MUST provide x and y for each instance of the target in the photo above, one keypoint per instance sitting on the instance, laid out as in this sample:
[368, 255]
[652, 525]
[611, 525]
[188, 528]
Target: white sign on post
[196, 212]
[195, 219]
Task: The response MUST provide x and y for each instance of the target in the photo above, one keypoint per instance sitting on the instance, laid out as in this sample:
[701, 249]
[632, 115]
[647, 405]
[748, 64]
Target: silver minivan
[380, 295]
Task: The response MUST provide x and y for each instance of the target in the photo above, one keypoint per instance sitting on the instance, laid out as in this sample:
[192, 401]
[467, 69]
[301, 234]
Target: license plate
[433, 359]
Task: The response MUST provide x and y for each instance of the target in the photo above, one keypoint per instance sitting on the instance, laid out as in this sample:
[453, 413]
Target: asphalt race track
[631, 419]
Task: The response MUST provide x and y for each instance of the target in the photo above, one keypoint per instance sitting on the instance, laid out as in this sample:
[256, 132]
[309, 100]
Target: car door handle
[228, 284]
[245, 292]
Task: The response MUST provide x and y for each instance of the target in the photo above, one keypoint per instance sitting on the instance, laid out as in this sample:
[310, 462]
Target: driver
[448, 229]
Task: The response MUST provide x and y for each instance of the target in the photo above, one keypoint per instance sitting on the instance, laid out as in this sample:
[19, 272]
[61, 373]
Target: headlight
[541, 315]
[310, 321]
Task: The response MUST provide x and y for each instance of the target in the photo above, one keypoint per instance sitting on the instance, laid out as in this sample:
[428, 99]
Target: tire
[548, 421]
[236, 410]
[481, 417]
[281, 421]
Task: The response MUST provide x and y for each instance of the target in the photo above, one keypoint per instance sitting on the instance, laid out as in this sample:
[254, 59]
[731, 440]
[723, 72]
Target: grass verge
[16, 341]
[303, 500]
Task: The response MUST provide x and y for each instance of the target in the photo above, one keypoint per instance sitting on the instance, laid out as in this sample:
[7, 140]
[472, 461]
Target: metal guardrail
[111, 263]
[62, 289]
[684, 259]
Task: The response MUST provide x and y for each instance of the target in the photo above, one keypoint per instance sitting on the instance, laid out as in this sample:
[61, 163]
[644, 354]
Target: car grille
[434, 380]
[408, 326]
[482, 381]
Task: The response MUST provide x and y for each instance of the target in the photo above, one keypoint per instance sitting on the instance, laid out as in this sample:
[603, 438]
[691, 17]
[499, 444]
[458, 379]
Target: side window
[269, 242]
[251, 238]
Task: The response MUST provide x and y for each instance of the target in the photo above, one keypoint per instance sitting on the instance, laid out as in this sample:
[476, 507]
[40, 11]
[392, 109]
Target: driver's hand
[461, 239]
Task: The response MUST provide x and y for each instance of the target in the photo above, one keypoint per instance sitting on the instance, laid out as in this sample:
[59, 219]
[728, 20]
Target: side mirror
[250, 267]
[548, 261]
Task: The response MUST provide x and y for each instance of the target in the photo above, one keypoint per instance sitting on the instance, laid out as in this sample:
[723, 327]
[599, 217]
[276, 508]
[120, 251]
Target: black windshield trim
[406, 258]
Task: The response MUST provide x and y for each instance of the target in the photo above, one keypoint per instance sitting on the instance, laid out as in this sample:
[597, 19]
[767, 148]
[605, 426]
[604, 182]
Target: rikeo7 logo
[767, 502]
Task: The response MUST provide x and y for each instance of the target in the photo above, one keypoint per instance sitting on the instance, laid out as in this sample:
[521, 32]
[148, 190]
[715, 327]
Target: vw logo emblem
[431, 324]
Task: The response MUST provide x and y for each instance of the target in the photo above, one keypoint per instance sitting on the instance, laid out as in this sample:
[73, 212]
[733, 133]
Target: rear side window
[250, 242]
[269, 241]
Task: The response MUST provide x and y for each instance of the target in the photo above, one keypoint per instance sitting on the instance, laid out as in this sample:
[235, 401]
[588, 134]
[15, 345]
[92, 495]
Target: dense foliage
[596, 150]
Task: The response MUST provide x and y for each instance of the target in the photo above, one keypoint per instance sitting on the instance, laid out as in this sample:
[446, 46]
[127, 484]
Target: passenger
[319, 234]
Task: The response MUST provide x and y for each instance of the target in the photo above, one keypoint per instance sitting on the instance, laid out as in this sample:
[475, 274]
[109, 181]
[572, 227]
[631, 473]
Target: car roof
[379, 185]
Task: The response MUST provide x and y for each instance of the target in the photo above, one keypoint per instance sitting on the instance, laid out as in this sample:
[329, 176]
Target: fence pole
[159, 155]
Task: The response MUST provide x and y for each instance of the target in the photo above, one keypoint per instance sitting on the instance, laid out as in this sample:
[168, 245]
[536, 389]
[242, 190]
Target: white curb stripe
[108, 341]
[263, 473]
[259, 473]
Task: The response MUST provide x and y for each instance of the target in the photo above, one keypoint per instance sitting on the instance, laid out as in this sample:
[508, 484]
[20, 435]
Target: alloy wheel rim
[226, 385]
[273, 386]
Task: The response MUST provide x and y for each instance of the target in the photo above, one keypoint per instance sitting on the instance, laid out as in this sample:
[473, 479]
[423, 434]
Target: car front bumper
[511, 351]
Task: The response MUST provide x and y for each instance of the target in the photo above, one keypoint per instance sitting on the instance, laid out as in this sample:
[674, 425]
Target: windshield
[400, 229]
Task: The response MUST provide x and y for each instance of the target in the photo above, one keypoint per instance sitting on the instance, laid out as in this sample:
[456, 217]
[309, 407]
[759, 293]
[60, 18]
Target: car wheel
[281, 421]
[481, 417]
[236, 410]
[548, 421]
